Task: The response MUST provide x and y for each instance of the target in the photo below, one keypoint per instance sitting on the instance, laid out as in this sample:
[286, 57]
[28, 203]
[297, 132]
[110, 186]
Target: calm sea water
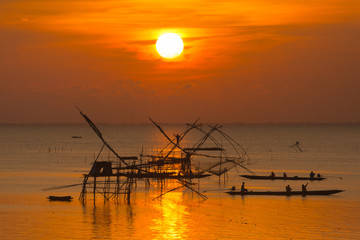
[33, 157]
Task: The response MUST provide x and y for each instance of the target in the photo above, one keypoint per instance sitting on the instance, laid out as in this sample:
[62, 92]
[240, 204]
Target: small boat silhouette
[60, 198]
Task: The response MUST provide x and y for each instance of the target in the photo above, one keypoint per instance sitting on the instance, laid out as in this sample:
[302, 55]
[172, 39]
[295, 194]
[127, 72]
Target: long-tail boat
[282, 178]
[284, 193]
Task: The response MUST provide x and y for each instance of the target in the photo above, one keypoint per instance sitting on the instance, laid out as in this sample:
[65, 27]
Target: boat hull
[62, 198]
[282, 178]
[283, 193]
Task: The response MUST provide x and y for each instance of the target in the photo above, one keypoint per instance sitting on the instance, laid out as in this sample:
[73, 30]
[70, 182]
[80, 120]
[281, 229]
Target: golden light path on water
[180, 216]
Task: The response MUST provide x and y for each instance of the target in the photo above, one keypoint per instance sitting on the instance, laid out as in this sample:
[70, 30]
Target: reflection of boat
[62, 198]
[284, 193]
[282, 178]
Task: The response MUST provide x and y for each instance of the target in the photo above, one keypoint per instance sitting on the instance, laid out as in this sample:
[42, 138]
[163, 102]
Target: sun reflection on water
[172, 222]
[179, 216]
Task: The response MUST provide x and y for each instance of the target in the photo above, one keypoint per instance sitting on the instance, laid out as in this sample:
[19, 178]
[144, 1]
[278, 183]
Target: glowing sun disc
[169, 45]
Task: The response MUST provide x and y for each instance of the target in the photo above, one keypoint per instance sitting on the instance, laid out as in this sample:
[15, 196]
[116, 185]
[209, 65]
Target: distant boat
[62, 198]
[76, 136]
[284, 193]
[282, 178]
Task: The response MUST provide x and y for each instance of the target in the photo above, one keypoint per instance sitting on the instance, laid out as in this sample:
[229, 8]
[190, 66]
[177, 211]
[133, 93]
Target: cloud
[188, 86]
[241, 63]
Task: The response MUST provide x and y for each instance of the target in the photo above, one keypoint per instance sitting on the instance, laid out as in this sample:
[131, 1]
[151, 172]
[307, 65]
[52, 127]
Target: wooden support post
[82, 197]
[94, 188]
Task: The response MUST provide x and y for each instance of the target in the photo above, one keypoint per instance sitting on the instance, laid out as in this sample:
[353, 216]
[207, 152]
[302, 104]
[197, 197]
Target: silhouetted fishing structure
[174, 163]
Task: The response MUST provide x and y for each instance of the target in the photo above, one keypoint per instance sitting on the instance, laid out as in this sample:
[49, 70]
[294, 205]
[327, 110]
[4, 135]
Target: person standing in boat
[272, 174]
[285, 175]
[243, 189]
[303, 188]
[312, 175]
[288, 189]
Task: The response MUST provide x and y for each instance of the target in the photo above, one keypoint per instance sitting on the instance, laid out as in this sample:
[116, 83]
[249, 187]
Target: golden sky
[243, 61]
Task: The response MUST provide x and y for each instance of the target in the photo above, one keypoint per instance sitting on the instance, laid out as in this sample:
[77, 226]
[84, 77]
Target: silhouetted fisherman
[303, 188]
[285, 175]
[243, 189]
[288, 189]
[272, 174]
[177, 136]
[312, 175]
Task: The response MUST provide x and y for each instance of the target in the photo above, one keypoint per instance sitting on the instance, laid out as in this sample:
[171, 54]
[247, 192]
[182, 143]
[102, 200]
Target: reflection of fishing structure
[172, 163]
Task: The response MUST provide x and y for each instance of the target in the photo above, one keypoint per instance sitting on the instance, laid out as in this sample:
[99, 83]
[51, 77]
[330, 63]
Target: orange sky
[243, 61]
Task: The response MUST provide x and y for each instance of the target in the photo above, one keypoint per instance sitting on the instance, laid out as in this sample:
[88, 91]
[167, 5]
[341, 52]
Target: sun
[169, 45]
